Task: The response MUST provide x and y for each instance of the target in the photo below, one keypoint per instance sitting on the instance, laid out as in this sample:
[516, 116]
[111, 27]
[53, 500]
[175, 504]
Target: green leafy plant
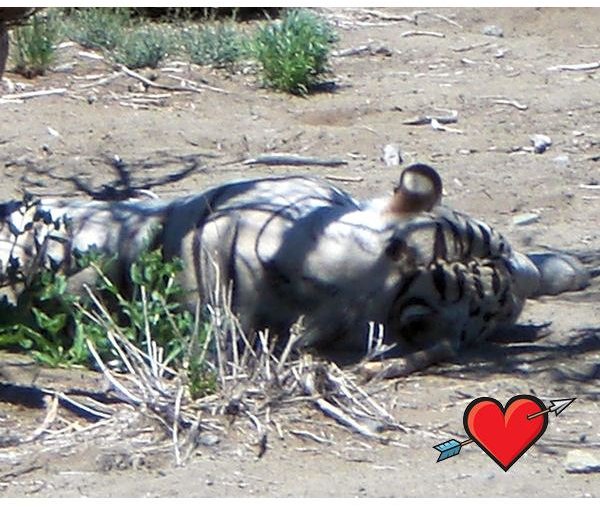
[144, 46]
[99, 27]
[293, 52]
[43, 322]
[54, 324]
[219, 44]
[35, 44]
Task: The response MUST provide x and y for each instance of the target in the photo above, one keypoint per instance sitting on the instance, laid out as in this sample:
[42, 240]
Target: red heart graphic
[505, 434]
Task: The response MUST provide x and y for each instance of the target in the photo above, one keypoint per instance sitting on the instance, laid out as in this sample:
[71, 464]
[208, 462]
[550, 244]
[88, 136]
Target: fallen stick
[77, 406]
[202, 86]
[91, 56]
[352, 51]
[427, 119]
[391, 17]
[312, 436]
[577, 66]
[444, 18]
[292, 159]
[48, 420]
[335, 412]
[152, 84]
[470, 47]
[31, 95]
[350, 179]
[113, 381]
[104, 80]
[146, 100]
[411, 18]
[134, 106]
[514, 103]
[413, 33]
[175, 427]
[436, 125]
[89, 77]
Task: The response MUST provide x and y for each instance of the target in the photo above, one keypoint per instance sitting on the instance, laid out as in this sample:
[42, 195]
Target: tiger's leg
[409, 363]
[559, 273]
[547, 274]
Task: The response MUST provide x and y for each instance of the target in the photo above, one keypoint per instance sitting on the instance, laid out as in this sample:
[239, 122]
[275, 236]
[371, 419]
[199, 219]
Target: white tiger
[297, 246]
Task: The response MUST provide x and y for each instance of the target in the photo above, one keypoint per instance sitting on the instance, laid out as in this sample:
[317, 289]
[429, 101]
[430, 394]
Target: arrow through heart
[505, 433]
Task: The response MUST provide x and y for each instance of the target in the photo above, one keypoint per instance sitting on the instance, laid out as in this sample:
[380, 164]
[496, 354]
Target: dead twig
[427, 119]
[309, 385]
[293, 159]
[471, 46]
[337, 414]
[111, 378]
[102, 81]
[444, 18]
[411, 18]
[436, 125]
[195, 84]
[151, 84]
[365, 48]
[77, 406]
[513, 103]
[48, 420]
[19, 470]
[419, 33]
[31, 95]
[349, 179]
[311, 436]
[90, 55]
[577, 66]
[175, 430]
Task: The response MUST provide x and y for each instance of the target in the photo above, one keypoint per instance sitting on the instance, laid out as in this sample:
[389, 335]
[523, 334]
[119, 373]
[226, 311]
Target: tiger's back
[315, 252]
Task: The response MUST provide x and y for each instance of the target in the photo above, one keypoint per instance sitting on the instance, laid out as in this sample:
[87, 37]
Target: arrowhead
[557, 406]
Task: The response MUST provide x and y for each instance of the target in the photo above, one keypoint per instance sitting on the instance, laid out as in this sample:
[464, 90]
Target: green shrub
[44, 322]
[293, 52]
[99, 27]
[144, 46]
[53, 324]
[218, 44]
[35, 44]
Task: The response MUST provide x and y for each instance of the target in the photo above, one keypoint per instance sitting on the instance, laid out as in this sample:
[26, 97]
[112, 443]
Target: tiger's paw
[559, 273]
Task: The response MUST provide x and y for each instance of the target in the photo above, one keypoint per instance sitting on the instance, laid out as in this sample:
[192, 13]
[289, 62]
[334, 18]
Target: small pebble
[391, 155]
[525, 218]
[53, 132]
[540, 143]
[208, 439]
[582, 462]
[492, 31]
[562, 160]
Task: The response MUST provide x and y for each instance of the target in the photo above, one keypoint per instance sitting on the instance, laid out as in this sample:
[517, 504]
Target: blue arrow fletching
[448, 449]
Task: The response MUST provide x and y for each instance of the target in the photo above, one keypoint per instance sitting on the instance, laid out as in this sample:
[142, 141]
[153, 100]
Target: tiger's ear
[420, 189]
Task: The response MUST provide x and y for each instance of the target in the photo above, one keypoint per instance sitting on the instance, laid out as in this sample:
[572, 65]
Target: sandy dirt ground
[504, 89]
